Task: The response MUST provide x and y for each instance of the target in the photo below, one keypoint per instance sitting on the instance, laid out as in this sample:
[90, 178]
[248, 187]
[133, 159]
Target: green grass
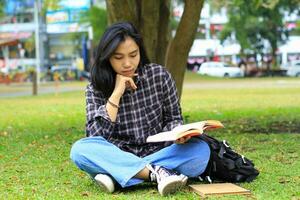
[36, 134]
[245, 105]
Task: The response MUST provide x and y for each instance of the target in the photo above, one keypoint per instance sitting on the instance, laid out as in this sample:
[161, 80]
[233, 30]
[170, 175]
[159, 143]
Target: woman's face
[126, 58]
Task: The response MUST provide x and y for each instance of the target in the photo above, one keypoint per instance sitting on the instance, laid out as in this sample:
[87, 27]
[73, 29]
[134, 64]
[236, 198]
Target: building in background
[17, 47]
[207, 46]
[68, 38]
[64, 39]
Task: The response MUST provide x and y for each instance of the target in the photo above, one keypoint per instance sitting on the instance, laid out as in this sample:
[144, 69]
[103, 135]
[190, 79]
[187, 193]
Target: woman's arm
[98, 122]
[112, 105]
[102, 114]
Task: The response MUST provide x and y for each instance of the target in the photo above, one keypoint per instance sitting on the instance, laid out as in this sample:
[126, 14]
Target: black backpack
[225, 164]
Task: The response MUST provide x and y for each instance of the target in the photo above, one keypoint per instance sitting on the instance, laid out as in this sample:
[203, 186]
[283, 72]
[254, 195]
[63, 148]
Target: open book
[192, 129]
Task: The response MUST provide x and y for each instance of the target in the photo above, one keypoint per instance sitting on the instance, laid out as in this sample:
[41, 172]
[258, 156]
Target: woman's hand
[123, 82]
[182, 140]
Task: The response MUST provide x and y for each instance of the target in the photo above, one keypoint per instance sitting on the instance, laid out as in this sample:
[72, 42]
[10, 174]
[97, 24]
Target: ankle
[143, 174]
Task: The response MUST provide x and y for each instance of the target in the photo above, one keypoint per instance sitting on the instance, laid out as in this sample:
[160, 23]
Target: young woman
[128, 100]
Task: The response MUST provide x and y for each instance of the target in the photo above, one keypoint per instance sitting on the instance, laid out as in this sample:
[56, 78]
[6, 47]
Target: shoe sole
[105, 182]
[171, 184]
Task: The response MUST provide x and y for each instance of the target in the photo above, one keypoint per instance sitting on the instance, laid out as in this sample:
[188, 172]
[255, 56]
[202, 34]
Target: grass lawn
[261, 118]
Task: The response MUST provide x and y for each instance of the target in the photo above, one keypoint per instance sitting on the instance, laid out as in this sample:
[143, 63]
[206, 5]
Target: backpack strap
[225, 164]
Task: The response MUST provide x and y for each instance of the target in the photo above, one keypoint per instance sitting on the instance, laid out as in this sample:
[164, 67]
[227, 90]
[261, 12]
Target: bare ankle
[143, 174]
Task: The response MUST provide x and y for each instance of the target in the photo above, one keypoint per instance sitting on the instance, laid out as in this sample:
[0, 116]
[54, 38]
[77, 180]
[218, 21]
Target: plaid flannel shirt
[154, 107]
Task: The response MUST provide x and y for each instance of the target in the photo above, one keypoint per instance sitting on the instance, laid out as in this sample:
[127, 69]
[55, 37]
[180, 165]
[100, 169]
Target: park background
[260, 113]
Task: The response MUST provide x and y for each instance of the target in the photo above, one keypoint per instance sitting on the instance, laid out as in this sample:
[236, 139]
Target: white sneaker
[105, 182]
[168, 181]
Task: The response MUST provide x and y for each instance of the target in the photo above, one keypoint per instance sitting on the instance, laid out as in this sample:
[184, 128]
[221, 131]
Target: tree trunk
[274, 61]
[151, 17]
[122, 10]
[149, 22]
[164, 31]
[179, 48]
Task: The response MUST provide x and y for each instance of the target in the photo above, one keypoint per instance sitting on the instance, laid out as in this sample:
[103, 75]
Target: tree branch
[180, 46]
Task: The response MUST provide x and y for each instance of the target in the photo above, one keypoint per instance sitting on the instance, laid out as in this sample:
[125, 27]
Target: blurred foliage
[1, 8]
[97, 17]
[297, 30]
[256, 20]
[29, 44]
[49, 5]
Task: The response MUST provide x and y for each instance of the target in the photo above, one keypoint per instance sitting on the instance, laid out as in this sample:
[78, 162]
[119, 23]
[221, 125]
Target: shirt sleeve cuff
[102, 113]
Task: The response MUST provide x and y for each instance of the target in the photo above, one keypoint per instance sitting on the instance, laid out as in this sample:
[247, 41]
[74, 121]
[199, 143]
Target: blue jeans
[96, 155]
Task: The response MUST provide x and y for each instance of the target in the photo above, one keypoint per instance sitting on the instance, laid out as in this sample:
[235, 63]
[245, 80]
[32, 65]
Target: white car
[220, 69]
[293, 69]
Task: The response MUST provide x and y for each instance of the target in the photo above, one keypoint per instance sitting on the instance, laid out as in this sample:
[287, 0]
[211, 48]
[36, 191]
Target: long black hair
[102, 74]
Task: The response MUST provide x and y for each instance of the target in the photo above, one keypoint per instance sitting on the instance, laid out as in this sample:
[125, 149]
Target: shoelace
[153, 173]
[157, 173]
[163, 172]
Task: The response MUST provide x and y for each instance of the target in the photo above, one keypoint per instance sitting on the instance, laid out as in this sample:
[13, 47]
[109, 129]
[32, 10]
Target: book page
[186, 127]
[170, 136]
[191, 129]
[163, 136]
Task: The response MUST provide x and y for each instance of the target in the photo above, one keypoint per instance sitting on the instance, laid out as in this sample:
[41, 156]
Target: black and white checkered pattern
[152, 108]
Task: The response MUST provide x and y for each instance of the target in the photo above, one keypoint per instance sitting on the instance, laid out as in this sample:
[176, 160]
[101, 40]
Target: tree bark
[149, 26]
[179, 48]
[151, 17]
[122, 10]
[164, 31]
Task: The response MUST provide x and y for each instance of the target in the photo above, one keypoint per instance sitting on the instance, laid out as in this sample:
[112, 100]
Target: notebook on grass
[218, 189]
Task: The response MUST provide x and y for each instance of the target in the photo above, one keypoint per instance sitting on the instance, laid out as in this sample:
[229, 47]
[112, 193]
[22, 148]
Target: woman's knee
[76, 151]
[205, 152]
[197, 165]
[82, 149]
[83, 146]
[201, 146]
